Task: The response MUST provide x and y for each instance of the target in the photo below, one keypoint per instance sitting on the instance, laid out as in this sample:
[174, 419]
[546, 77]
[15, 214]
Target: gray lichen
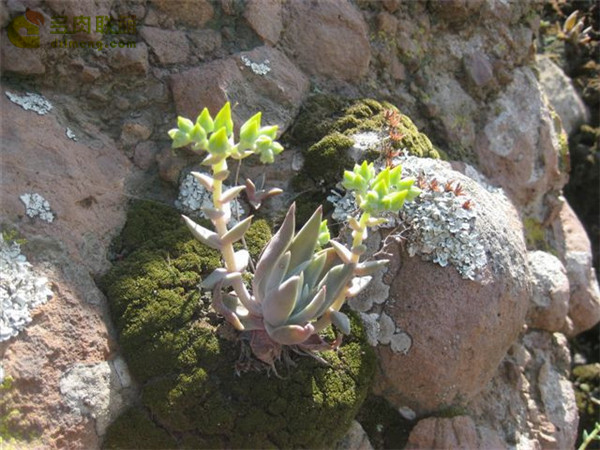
[37, 206]
[20, 290]
[193, 197]
[258, 68]
[441, 224]
[31, 102]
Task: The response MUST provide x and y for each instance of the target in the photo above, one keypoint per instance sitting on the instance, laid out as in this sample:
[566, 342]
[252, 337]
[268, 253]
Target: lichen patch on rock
[21, 290]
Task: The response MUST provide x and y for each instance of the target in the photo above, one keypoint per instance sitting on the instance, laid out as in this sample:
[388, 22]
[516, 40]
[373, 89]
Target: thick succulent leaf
[354, 224]
[309, 312]
[215, 277]
[312, 272]
[241, 257]
[342, 251]
[331, 259]
[205, 180]
[335, 281]
[223, 119]
[237, 232]
[277, 274]
[299, 269]
[235, 280]
[212, 160]
[358, 284]
[340, 320]
[231, 193]
[212, 213]
[278, 244]
[204, 235]
[205, 121]
[220, 306]
[304, 243]
[222, 175]
[279, 303]
[370, 267]
[290, 334]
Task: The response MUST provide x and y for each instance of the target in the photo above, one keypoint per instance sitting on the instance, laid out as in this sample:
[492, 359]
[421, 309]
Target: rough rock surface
[530, 402]
[83, 181]
[564, 98]
[550, 292]
[452, 432]
[574, 251]
[276, 93]
[327, 38]
[461, 71]
[264, 16]
[442, 317]
[355, 439]
[519, 147]
[193, 13]
[170, 47]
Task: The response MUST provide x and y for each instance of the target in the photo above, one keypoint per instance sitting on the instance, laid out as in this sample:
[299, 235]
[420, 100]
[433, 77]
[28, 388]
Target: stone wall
[464, 71]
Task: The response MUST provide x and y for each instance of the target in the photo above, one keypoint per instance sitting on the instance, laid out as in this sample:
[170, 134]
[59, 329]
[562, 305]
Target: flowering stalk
[297, 288]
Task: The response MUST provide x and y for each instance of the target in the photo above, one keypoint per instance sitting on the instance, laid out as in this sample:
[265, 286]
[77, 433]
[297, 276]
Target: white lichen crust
[193, 197]
[31, 102]
[37, 206]
[441, 224]
[258, 68]
[21, 290]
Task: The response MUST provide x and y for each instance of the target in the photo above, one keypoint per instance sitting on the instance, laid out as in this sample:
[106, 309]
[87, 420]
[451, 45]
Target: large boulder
[521, 146]
[530, 402]
[67, 342]
[562, 94]
[458, 303]
[574, 251]
[329, 38]
[263, 79]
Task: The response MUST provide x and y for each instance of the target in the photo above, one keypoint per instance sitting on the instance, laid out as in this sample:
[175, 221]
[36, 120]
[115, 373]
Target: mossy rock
[184, 356]
[324, 130]
[135, 430]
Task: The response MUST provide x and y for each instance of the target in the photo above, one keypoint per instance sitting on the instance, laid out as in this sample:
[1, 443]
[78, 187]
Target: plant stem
[221, 222]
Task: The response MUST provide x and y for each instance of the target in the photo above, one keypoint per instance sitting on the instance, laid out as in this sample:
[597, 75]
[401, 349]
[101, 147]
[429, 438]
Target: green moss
[417, 143]
[535, 236]
[150, 218]
[177, 349]
[327, 159]
[17, 430]
[135, 430]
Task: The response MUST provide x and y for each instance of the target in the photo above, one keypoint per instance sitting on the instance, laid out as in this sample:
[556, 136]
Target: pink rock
[519, 147]
[448, 433]
[264, 16]
[170, 47]
[84, 184]
[550, 292]
[193, 13]
[145, 154]
[458, 330]
[530, 402]
[25, 61]
[574, 248]
[278, 93]
[131, 59]
[328, 38]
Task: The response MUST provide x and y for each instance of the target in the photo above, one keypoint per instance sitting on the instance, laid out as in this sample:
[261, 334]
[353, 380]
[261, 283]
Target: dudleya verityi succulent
[297, 288]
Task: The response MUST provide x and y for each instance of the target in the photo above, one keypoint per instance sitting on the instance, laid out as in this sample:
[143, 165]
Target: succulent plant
[572, 30]
[298, 287]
